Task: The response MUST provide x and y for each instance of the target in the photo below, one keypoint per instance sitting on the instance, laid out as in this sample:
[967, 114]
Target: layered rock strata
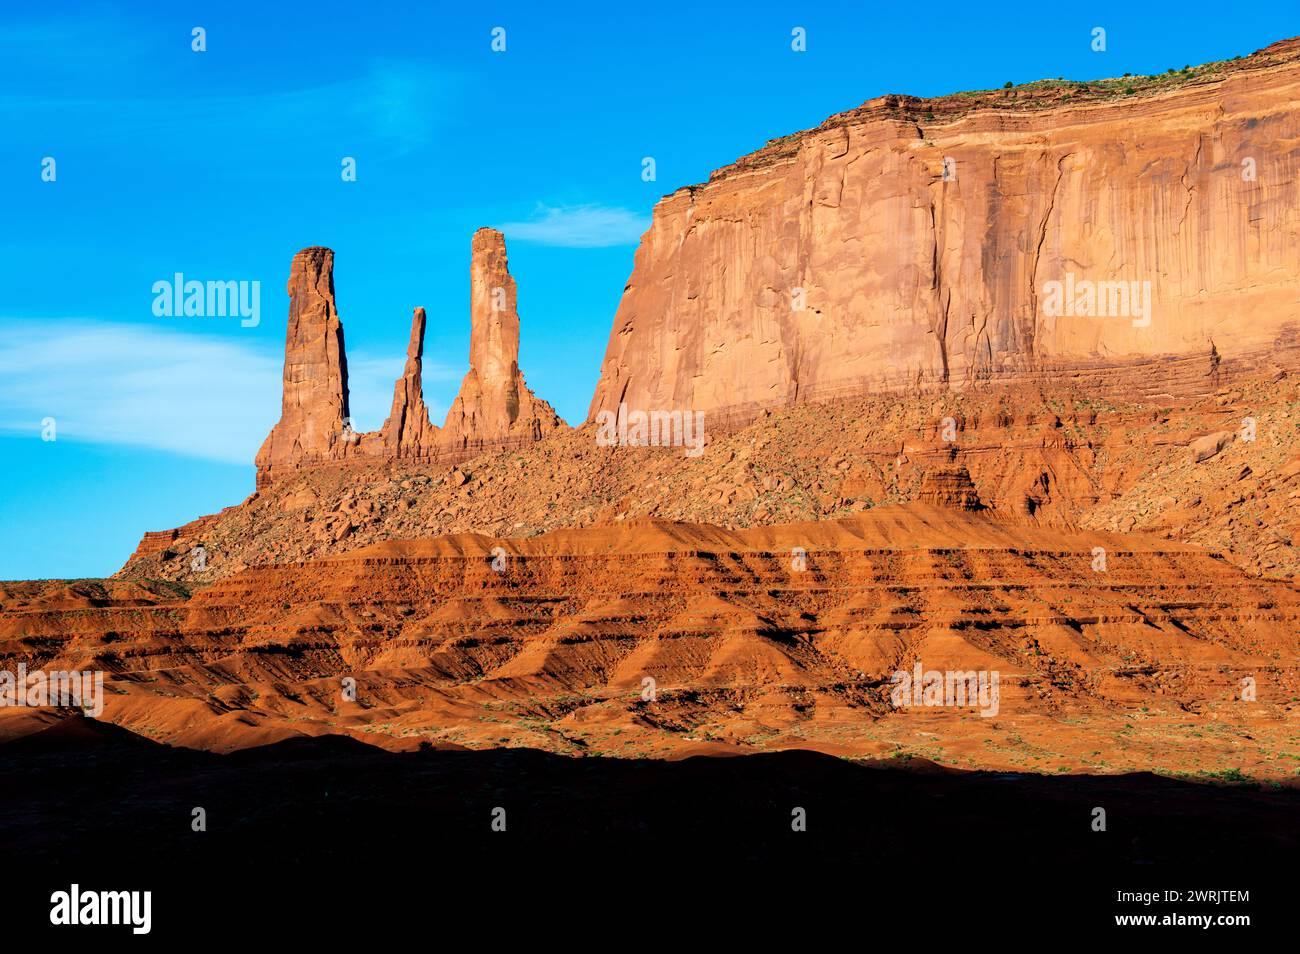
[787, 636]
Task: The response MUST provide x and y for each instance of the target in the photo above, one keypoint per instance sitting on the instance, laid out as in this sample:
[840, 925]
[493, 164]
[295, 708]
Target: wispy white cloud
[199, 395]
[579, 226]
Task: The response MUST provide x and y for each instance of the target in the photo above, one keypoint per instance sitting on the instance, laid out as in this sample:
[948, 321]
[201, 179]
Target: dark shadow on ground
[86, 800]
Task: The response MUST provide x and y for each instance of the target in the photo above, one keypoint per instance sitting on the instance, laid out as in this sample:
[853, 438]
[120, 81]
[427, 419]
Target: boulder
[1204, 448]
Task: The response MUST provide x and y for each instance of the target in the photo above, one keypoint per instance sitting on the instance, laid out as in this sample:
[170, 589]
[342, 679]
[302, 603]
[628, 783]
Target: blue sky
[222, 164]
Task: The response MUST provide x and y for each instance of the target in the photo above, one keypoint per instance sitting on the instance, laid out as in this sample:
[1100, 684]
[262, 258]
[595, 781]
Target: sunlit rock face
[494, 409]
[939, 243]
[494, 406]
[315, 403]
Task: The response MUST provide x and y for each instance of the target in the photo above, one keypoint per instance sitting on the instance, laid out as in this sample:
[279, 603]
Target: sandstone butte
[494, 409]
[1069, 419]
[842, 259]
[505, 580]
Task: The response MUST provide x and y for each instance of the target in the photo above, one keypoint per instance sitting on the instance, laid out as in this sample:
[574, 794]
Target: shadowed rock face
[846, 259]
[494, 409]
[315, 406]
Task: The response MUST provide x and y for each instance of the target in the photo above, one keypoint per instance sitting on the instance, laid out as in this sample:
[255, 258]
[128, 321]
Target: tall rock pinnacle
[408, 431]
[494, 406]
[315, 404]
[493, 411]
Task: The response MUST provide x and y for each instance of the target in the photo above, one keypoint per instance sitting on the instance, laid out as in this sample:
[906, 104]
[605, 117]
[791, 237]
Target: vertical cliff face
[494, 408]
[944, 242]
[315, 402]
[494, 405]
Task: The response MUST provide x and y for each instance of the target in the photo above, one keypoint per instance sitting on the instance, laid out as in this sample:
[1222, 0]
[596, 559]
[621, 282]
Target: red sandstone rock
[494, 406]
[1204, 448]
[408, 431]
[772, 637]
[909, 276]
[949, 487]
[755, 630]
[315, 404]
[494, 409]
